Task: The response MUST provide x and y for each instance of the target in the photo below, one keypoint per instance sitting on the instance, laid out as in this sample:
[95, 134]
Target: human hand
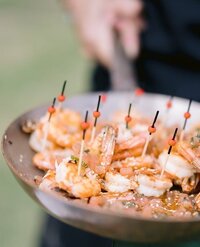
[95, 21]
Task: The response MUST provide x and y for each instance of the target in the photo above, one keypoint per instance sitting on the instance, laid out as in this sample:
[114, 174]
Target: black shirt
[169, 61]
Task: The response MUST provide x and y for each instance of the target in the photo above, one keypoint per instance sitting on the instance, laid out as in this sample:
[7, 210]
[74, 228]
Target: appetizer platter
[122, 165]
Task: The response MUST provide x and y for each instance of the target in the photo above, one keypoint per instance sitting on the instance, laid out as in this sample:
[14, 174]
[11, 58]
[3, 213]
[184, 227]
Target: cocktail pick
[151, 130]
[61, 98]
[84, 126]
[128, 118]
[96, 115]
[171, 142]
[169, 105]
[103, 98]
[139, 91]
[187, 115]
[51, 111]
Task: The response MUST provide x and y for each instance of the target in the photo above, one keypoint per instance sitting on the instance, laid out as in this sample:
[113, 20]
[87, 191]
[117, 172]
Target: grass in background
[38, 52]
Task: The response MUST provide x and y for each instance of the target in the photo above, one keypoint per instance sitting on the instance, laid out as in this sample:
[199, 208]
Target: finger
[126, 8]
[121, 22]
[95, 31]
[98, 45]
[103, 47]
[130, 36]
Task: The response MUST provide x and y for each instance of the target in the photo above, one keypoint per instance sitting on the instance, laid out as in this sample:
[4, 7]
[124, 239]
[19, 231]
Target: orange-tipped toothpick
[61, 98]
[169, 105]
[187, 115]
[171, 142]
[139, 91]
[84, 126]
[151, 130]
[96, 115]
[104, 98]
[128, 118]
[51, 111]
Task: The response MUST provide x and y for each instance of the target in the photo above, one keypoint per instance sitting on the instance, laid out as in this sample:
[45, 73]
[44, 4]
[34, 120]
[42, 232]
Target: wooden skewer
[171, 143]
[96, 115]
[146, 146]
[187, 115]
[81, 157]
[151, 130]
[84, 126]
[61, 97]
[128, 118]
[51, 111]
[103, 98]
[169, 105]
[139, 91]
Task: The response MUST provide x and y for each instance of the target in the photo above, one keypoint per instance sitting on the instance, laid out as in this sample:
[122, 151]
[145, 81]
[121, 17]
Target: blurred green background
[38, 52]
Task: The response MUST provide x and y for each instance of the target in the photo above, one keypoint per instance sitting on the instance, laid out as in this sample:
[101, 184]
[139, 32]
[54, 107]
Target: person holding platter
[161, 38]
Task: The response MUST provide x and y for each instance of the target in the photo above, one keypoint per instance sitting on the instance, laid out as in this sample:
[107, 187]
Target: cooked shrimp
[192, 155]
[131, 143]
[177, 166]
[152, 185]
[48, 181]
[197, 201]
[138, 163]
[36, 141]
[64, 129]
[189, 184]
[116, 183]
[64, 140]
[46, 160]
[131, 165]
[134, 152]
[98, 155]
[79, 186]
[129, 148]
[123, 133]
[104, 144]
[126, 171]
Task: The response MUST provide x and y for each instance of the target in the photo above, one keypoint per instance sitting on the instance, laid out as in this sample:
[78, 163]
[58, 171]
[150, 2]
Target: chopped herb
[129, 204]
[76, 159]
[195, 141]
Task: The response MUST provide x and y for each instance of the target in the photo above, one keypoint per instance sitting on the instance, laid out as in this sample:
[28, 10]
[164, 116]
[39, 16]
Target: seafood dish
[124, 165]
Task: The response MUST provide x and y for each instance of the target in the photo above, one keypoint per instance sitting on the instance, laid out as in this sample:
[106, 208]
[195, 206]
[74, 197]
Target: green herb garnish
[76, 160]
